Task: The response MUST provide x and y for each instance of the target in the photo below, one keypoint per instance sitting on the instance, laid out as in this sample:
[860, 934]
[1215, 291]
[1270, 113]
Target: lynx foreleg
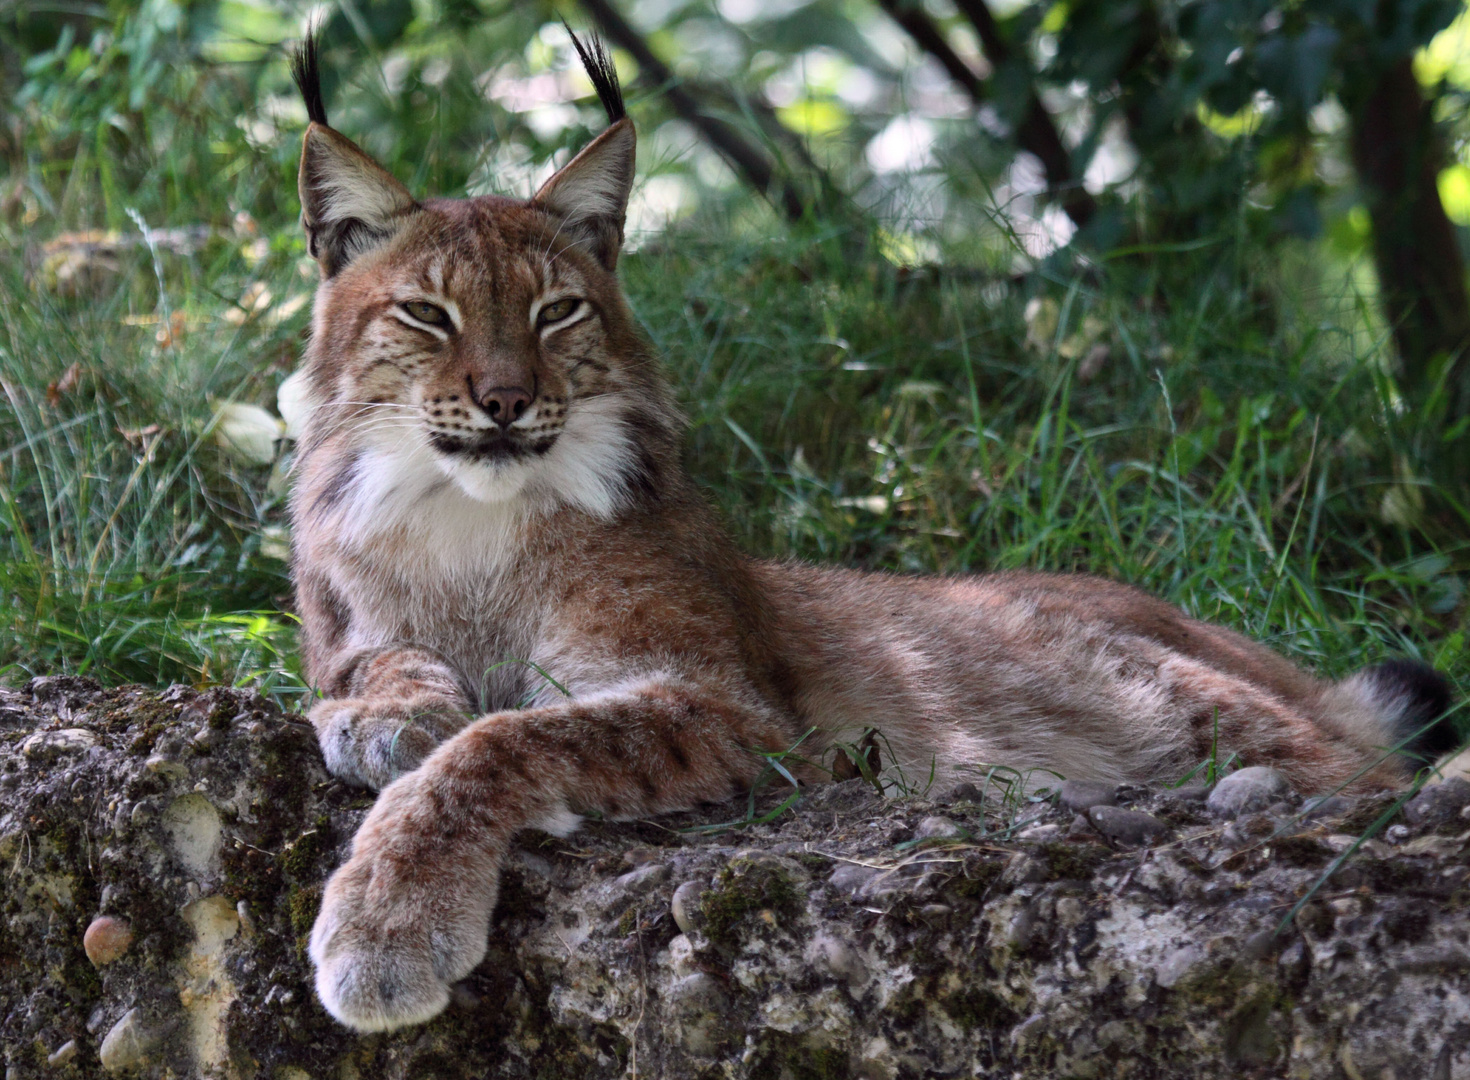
[409, 913]
[400, 704]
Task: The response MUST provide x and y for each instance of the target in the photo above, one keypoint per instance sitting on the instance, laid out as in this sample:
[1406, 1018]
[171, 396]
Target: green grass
[1214, 424]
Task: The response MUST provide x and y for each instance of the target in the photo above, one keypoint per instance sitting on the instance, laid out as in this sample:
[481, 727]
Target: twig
[1035, 133]
[758, 170]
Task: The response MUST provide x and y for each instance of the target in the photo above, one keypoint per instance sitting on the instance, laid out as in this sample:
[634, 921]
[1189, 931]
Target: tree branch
[1036, 133]
[743, 156]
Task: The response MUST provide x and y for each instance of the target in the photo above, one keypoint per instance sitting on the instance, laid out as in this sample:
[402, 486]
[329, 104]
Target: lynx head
[481, 341]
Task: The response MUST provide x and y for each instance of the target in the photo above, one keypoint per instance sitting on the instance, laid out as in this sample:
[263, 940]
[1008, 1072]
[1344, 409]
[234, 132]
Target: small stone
[1021, 929]
[850, 877]
[1177, 965]
[1126, 826]
[1080, 827]
[1080, 796]
[128, 1044]
[963, 793]
[1070, 912]
[938, 828]
[1247, 790]
[165, 766]
[1262, 945]
[140, 815]
[538, 865]
[1184, 796]
[878, 1060]
[831, 956]
[644, 879]
[1438, 802]
[64, 1053]
[463, 996]
[1323, 807]
[699, 1003]
[640, 856]
[49, 745]
[247, 923]
[1038, 834]
[107, 939]
[685, 905]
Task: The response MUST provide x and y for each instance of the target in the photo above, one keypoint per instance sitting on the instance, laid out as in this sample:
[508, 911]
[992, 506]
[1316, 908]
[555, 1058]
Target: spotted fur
[519, 609]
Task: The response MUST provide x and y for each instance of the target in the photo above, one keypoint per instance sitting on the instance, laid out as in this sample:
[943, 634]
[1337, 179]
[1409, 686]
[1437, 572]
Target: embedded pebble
[1080, 796]
[1322, 807]
[850, 877]
[1080, 827]
[685, 905]
[1438, 802]
[830, 955]
[1177, 965]
[128, 1044]
[644, 879]
[107, 939]
[1128, 826]
[49, 745]
[1184, 796]
[64, 1053]
[1037, 834]
[699, 1002]
[963, 793]
[938, 828]
[1247, 790]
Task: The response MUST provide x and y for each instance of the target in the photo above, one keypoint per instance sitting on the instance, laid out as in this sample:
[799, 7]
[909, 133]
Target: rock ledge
[1131, 932]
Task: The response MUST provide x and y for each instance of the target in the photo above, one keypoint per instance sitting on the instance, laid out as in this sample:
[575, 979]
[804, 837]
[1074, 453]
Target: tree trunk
[1421, 275]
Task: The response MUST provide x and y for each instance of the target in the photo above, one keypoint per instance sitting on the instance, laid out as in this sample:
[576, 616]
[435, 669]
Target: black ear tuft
[306, 70]
[604, 75]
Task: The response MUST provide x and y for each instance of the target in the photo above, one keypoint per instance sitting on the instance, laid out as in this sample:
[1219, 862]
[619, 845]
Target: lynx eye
[426, 312]
[557, 311]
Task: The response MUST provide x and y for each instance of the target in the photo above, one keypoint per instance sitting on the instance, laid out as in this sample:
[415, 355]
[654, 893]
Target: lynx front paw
[367, 747]
[404, 918]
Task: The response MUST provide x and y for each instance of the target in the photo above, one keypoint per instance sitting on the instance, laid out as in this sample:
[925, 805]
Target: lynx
[491, 472]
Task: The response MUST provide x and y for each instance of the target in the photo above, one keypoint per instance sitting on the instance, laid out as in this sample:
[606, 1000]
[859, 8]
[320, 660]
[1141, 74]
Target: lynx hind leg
[401, 705]
[1401, 703]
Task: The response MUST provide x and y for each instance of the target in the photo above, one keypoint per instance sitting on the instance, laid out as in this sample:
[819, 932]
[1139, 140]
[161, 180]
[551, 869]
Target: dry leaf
[64, 385]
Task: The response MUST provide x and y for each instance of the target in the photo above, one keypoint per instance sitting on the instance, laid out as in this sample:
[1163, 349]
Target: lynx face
[480, 343]
[481, 339]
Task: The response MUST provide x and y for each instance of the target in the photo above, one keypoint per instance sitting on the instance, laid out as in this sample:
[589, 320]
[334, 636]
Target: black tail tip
[1425, 697]
[306, 71]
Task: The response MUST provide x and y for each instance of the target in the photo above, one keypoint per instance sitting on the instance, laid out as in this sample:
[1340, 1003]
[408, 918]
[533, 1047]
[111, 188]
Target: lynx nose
[505, 404]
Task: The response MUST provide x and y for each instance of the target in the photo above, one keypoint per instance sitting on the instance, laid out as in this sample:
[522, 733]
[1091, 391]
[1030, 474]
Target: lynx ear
[349, 203]
[590, 192]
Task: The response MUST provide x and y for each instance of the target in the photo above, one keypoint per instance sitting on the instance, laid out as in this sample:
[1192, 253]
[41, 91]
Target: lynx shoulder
[489, 491]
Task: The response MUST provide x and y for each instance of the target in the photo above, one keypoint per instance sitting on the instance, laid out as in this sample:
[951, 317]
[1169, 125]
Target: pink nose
[505, 404]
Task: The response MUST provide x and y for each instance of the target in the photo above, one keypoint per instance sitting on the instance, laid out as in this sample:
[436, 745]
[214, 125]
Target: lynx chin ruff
[490, 472]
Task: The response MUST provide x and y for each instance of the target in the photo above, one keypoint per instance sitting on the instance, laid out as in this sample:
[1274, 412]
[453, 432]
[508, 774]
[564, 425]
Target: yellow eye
[556, 312]
[426, 312]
